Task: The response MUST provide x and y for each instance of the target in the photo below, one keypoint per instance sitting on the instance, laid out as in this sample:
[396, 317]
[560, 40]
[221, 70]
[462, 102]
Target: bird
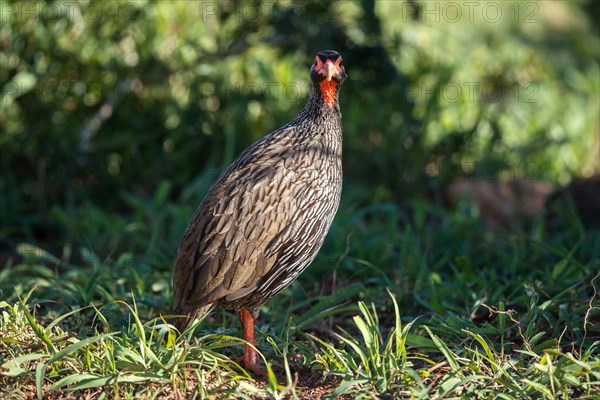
[265, 218]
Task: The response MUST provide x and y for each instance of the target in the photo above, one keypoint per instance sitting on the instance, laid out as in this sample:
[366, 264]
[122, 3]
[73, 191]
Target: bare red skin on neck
[328, 91]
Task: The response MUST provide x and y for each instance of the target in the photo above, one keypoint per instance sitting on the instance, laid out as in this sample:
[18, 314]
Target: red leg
[250, 359]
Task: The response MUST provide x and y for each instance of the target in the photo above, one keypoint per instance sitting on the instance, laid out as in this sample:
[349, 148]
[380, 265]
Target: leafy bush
[104, 99]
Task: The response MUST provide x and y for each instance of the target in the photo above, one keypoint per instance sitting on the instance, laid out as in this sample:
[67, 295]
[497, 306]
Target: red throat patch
[328, 92]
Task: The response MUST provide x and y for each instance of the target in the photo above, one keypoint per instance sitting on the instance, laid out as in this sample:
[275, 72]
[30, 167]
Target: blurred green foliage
[107, 103]
[116, 116]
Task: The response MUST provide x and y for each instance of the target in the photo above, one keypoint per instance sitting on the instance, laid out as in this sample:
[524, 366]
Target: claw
[251, 365]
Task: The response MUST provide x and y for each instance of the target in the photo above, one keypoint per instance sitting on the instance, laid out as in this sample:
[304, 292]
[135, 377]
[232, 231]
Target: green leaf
[130, 356]
[40, 372]
[450, 357]
[364, 330]
[357, 350]
[451, 383]
[91, 258]
[77, 346]
[83, 381]
[420, 342]
[37, 329]
[539, 387]
[34, 253]
[345, 386]
[13, 366]
[483, 343]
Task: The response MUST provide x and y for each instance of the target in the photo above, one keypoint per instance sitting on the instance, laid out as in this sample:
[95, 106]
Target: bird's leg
[250, 359]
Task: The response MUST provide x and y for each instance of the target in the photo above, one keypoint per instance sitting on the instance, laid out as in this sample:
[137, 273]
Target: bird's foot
[251, 364]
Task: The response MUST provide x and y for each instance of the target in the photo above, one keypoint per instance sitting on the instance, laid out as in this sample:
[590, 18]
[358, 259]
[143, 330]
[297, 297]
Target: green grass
[419, 302]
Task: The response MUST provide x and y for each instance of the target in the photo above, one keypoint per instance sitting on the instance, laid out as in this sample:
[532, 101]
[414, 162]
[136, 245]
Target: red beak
[329, 70]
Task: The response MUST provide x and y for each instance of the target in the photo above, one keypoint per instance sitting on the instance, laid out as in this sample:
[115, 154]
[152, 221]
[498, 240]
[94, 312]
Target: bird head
[328, 67]
[327, 74]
